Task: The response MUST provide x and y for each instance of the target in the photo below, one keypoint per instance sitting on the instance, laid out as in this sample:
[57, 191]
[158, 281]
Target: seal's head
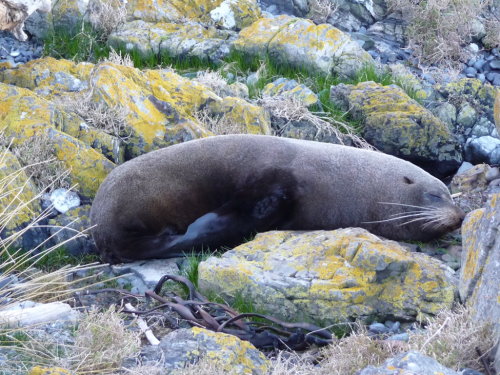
[423, 210]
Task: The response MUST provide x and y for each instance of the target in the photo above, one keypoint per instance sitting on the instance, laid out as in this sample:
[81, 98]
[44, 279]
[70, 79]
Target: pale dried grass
[107, 15]
[118, 58]
[492, 38]
[294, 110]
[102, 343]
[321, 10]
[219, 124]
[437, 30]
[452, 338]
[213, 80]
[37, 153]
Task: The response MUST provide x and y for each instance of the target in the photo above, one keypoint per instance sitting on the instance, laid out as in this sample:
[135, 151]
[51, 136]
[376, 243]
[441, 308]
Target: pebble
[470, 72]
[378, 328]
[15, 52]
[399, 337]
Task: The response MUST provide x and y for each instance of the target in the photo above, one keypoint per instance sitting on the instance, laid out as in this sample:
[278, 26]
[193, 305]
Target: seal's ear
[408, 180]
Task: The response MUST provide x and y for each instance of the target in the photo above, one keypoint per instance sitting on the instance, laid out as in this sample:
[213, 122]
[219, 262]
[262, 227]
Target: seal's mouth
[440, 218]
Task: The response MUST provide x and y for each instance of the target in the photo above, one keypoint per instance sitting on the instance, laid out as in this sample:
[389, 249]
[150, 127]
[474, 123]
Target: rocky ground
[442, 122]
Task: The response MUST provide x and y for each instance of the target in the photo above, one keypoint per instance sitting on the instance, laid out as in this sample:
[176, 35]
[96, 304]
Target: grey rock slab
[26, 316]
[148, 272]
[409, 363]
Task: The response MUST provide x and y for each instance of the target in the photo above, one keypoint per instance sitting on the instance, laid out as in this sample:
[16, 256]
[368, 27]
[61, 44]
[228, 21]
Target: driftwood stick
[144, 327]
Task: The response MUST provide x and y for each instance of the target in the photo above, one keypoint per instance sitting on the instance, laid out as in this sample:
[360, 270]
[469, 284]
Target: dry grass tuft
[118, 59]
[219, 124]
[103, 342]
[37, 153]
[213, 80]
[451, 338]
[321, 10]
[107, 15]
[293, 110]
[438, 29]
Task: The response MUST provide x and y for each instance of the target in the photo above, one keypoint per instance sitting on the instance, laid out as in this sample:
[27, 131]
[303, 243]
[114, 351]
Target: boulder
[479, 284]
[330, 276]
[226, 352]
[301, 44]
[398, 125]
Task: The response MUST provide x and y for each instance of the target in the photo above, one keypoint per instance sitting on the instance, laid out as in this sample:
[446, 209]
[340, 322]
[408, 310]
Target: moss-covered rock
[226, 352]
[302, 44]
[330, 276]
[398, 125]
[235, 14]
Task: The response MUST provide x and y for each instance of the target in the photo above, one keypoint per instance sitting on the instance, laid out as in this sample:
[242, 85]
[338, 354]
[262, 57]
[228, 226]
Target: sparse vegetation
[437, 30]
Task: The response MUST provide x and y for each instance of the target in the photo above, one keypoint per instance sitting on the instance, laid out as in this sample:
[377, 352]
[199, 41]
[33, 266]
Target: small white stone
[64, 200]
[15, 53]
[40, 313]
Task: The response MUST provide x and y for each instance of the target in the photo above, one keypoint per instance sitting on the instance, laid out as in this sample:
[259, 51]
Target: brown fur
[149, 200]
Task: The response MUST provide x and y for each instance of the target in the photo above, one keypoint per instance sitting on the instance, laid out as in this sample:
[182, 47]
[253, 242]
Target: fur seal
[217, 191]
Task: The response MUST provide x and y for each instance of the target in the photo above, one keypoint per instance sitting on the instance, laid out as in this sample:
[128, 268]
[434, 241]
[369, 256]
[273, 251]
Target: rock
[473, 179]
[483, 150]
[330, 276]
[378, 328]
[446, 112]
[294, 7]
[87, 167]
[187, 39]
[22, 196]
[291, 88]
[14, 13]
[396, 124]
[479, 96]
[16, 316]
[71, 230]
[301, 44]
[466, 116]
[479, 284]
[146, 273]
[236, 14]
[408, 81]
[405, 337]
[64, 199]
[409, 363]
[185, 346]
[470, 72]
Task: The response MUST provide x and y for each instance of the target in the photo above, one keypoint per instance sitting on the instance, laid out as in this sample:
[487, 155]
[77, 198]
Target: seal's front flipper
[263, 204]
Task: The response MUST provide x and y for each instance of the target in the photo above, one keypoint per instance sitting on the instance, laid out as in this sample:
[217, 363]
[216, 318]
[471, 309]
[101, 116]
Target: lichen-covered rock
[476, 94]
[24, 114]
[396, 124]
[291, 88]
[408, 80]
[235, 14]
[330, 276]
[474, 179]
[185, 346]
[409, 363]
[39, 370]
[479, 282]
[17, 194]
[253, 119]
[49, 77]
[186, 40]
[302, 44]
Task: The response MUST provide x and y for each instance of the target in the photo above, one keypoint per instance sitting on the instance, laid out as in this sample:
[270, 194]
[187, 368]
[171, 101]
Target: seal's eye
[408, 180]
[434, 197]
